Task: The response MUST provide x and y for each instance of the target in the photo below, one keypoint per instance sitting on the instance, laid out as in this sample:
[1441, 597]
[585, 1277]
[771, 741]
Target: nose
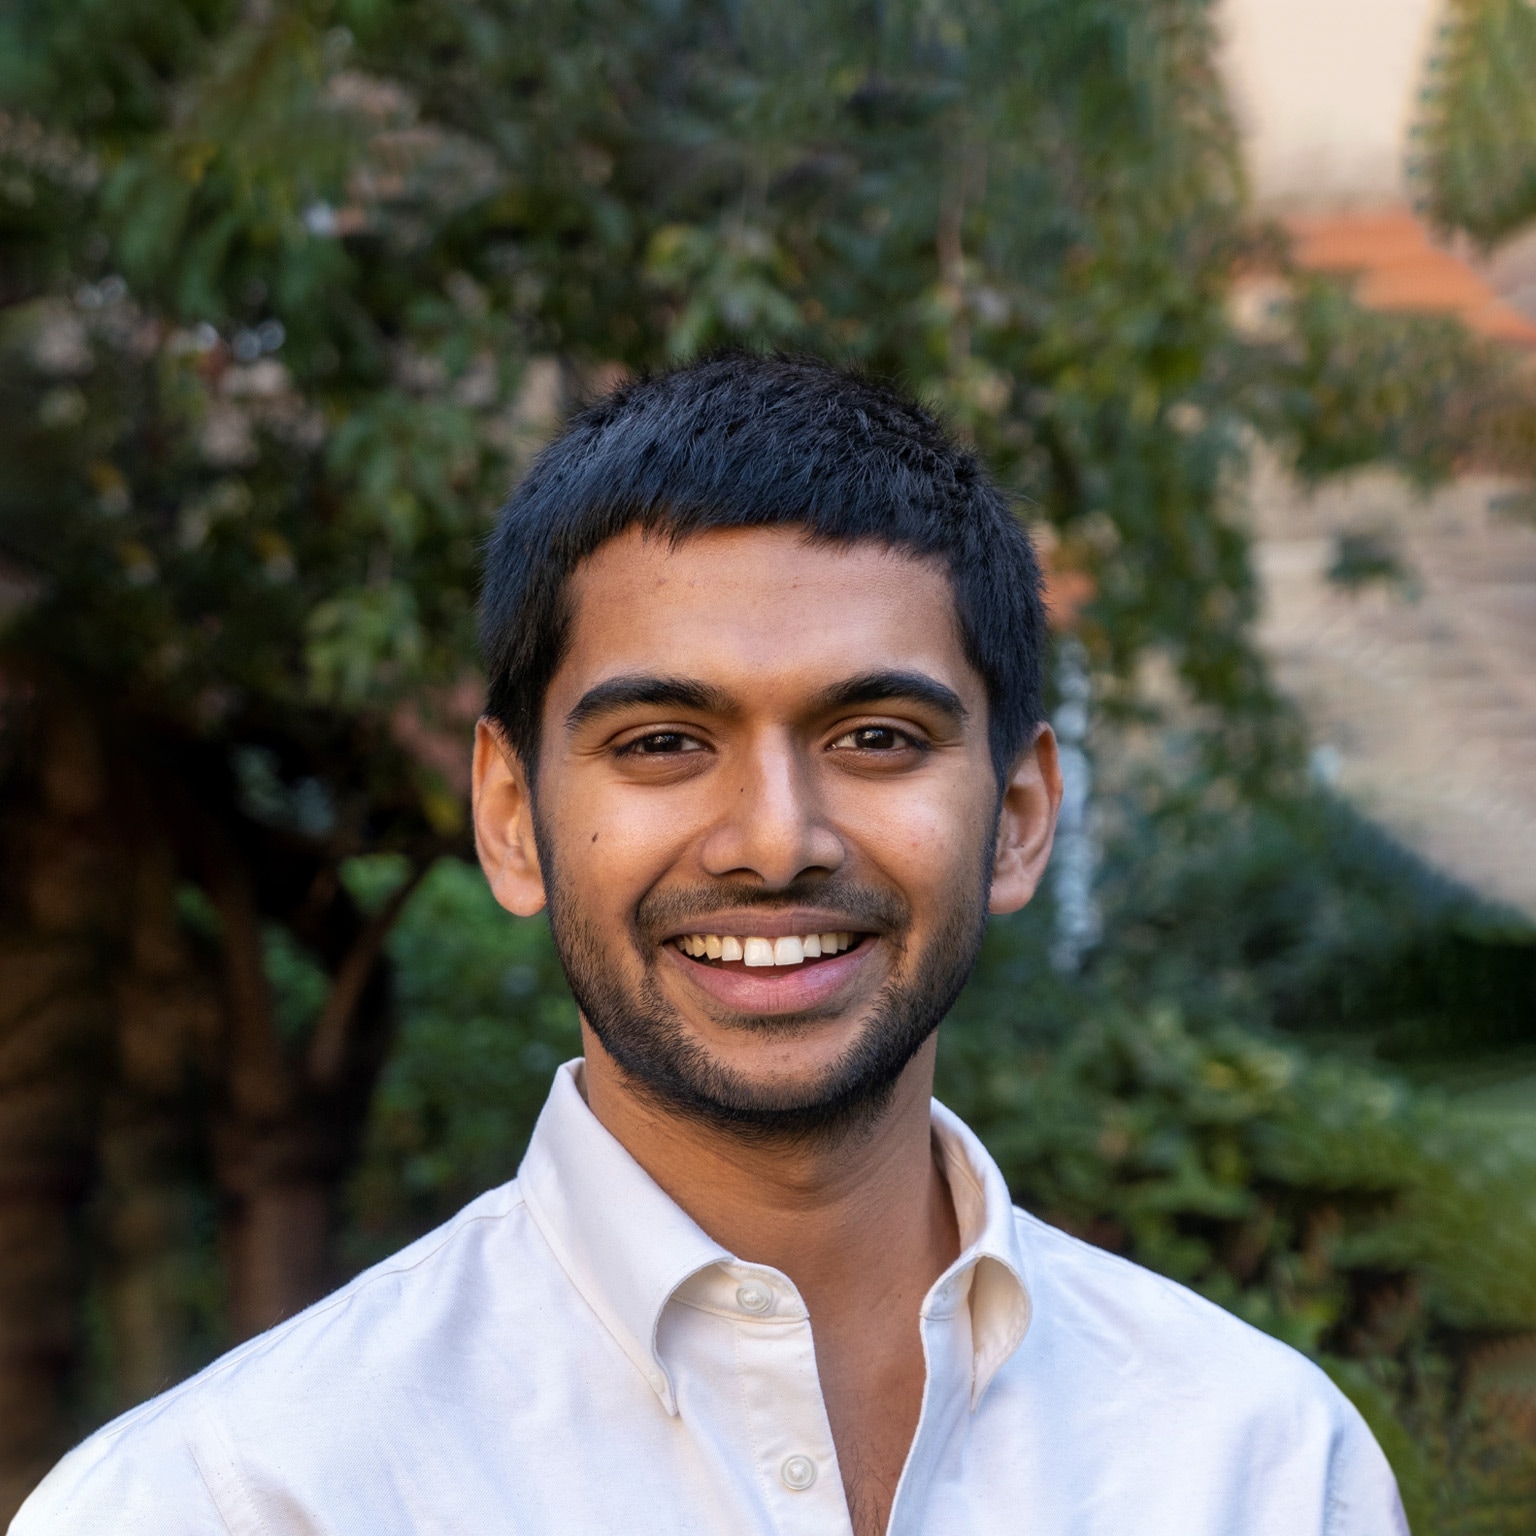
[770, 825]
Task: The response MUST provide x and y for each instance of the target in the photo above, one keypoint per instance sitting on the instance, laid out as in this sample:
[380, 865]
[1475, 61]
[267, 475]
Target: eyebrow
[642, 689]
[878, 687]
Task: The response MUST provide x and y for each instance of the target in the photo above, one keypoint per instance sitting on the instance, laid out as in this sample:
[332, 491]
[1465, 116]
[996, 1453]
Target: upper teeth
[790, 950]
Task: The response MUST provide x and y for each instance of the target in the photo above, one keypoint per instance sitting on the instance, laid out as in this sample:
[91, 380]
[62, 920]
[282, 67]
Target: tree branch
[328, 1045]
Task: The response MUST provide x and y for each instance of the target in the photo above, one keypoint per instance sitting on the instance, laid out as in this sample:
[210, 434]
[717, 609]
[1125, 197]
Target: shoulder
[1150, 1322]
[1156, 1387]
[373, 1328]
[306, 1379]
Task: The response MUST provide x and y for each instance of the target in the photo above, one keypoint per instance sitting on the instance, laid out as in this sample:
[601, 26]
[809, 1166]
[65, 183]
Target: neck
[841, 1218]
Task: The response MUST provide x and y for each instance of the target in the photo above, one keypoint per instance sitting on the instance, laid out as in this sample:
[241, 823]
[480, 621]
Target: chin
[818, 1094]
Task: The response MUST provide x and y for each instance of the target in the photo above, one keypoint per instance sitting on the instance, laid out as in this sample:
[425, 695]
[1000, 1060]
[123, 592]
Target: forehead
[764, 604]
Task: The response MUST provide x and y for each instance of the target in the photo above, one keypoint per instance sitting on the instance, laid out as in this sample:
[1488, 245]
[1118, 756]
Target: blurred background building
[1420, 688]
[1326, 93]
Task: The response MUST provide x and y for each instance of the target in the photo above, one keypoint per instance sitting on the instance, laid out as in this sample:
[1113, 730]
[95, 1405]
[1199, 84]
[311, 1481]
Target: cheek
[615, 842]
[924, 836]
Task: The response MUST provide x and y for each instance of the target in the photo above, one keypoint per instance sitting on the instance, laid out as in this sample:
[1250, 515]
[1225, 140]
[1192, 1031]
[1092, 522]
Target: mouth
[777, 972]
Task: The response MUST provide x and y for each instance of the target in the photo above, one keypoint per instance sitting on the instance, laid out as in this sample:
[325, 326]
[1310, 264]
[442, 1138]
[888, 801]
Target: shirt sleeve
[133, 1480]
[1362, 1492]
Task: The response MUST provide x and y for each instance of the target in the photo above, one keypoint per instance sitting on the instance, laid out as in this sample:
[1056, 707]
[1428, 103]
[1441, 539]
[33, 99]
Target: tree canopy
[1477, 161]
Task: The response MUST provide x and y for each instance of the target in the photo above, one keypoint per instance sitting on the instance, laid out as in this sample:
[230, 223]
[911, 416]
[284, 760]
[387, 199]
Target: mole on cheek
[594, 837]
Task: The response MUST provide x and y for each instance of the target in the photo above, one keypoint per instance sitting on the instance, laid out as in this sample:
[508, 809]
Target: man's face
[771, 750]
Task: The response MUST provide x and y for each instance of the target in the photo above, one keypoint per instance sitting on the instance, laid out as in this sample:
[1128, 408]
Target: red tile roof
[1401, 269]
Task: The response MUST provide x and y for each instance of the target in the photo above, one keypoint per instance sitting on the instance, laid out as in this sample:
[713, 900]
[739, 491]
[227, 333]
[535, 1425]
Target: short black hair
[742, 440]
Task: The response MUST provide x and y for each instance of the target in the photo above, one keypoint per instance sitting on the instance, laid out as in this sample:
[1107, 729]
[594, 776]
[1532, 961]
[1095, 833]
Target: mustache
[662, 912]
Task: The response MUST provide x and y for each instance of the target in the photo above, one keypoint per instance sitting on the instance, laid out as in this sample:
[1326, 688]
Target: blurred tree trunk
[140, 1072]
[151, 1158]
[60, 884]
[289, 1123]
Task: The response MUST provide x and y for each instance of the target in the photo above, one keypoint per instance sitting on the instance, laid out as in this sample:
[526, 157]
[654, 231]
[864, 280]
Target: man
[764, 736]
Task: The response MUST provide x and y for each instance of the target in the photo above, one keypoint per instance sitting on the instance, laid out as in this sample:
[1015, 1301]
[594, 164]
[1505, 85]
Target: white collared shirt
[572, 1354]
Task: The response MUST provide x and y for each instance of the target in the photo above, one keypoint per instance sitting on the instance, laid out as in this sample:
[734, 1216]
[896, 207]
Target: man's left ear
[1026, 824]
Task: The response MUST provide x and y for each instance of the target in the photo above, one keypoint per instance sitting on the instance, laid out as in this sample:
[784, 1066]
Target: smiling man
[764, 736]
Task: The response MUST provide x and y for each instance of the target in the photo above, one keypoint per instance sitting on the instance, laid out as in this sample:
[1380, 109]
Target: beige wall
[1325, 91]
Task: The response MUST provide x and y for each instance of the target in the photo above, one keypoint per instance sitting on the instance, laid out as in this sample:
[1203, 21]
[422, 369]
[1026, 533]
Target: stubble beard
[652, 1046]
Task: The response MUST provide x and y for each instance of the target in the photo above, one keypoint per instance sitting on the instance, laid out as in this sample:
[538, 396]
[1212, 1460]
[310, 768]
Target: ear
[503, 810]
[1026, 824]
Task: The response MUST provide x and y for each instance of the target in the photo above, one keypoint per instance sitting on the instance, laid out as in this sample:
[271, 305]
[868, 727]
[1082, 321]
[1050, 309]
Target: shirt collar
[625, 1244]
[627, 1247]
[993, 1266]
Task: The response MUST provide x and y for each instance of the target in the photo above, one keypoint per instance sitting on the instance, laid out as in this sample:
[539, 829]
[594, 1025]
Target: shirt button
[754, 1298]
[798, 1472]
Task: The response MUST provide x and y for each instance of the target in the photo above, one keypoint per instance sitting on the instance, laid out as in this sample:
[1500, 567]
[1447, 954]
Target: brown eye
[874, 738]
[661, 743]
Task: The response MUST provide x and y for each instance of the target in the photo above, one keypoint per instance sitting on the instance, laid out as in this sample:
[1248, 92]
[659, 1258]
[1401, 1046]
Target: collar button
[754, 1298]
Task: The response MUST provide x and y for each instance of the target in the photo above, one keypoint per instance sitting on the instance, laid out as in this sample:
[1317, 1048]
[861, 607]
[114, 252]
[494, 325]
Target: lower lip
[764, 990]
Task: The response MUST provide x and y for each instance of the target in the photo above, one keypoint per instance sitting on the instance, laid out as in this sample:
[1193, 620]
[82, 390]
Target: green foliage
[1295, 912]
[1029, 211]
[1369, 557]
[252, 464]
[1346, 386]
[1478, 133]
[1286, 1186]
[485, 1019]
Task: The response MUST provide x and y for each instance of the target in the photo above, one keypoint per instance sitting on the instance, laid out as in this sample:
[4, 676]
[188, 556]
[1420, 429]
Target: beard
[649, 1040]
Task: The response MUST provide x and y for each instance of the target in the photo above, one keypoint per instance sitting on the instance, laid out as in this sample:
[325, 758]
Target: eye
[660, 744]
[875, 738]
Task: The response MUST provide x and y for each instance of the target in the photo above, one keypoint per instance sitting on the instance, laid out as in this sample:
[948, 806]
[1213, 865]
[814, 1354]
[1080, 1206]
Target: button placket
[790, 1433]
[943, 1418]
